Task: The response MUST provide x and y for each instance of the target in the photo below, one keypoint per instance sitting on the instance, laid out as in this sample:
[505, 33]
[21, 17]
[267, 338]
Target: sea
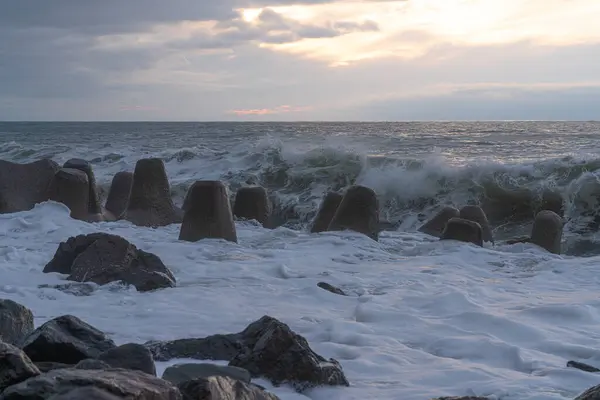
[423, 318]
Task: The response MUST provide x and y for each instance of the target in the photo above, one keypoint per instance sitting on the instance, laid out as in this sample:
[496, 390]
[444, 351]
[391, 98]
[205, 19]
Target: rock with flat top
[118, 195]
[22, 186]
[327, 210]
[358, 212]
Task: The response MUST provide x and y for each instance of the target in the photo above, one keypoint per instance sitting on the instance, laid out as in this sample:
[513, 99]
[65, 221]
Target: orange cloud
[267, 111]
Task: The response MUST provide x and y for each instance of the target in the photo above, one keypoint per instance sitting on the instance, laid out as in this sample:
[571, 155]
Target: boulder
[102, 258]
[252, 203]
[85, 393]
[47, 366]
[71, 187]
[274, 351]
[464, 231]
[327, 210]
[22, 186]
[95, 210]
[208, 213]
[582, 366]
[476, 214]
[180, 373]
[436, 225]
[222, 388]
[150, 203]
[130, 356]
[66, 339]
[547, 231]
[592, 393]
[216, 347]
[124, 384]
[331, 288]
[16, 322]
[15, 366]
[118, 195]
[91, 363]
[358, 211]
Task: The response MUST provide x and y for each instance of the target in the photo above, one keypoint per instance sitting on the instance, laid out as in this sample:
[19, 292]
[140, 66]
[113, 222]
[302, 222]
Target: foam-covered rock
[207, 213]
[118, 195]
[16, 322]
[331, 288]
[464, 231]
[358, 211]
[22, 186]
[327, 210]
[436, 225]
[150, 203]
[476, 214]
[274, 351]
[130, 356]
[547, 231]
[592, 393]
[124, 384]
[71, 187]
[15, 366]
[66, 339]
[180, 373]
[252, 203]
[222, 388]
[103, 258]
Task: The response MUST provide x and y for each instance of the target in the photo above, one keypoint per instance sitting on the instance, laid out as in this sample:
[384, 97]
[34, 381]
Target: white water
[424, 319]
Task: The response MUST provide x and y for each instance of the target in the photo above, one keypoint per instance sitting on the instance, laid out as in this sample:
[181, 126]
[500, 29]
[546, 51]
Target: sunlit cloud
[285, 109]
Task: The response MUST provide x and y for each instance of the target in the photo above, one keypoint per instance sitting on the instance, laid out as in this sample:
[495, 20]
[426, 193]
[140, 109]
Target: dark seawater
[512, 169]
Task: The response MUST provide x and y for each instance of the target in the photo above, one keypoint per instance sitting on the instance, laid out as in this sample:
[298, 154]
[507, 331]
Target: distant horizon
[291, 122]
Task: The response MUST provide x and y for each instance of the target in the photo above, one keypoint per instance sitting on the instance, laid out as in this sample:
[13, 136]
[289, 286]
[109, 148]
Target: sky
[292, 60]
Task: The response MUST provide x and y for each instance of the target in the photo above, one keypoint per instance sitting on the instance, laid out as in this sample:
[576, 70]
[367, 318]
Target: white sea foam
[424, 318]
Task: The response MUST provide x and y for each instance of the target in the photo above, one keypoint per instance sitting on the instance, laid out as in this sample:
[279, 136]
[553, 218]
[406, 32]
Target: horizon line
[298, 121]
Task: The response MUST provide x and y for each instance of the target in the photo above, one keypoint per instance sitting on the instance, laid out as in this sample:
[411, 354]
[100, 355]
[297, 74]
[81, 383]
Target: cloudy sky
[299, 59]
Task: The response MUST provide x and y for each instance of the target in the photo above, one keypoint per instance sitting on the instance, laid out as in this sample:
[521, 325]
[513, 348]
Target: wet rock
[150, 202]
[16, 322]
[130, 356]
[216, 347]
[208, 213]
[22, 186]
[252, 203]
[519, 239]
[118, 195]
[85, 393]
[358, 211]
[221, 388]
[331, 288]
[547, 231]
[124, 384]
[436, 225]
[327, 210]
[102, 258]
[66, 339]
[180, 373]
[91, 363]
[582, 366]
[592, 393]
[15, 366]
[464, 231]
[86, 167]
[71, 188]
[47, 366]
[476, 214]
[75, 288]
[275, 352]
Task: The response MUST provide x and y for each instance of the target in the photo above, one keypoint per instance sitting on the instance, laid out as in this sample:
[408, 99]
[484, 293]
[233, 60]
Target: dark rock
[582, 366]
[91, 363]
[436, 225]
[252, 203]
[118, 196]
[22, 186]
[71, 188]
[150, 202]
[94, 207]
[327, 210]
[358, 211]
[331, 288]
[464, 231]
[208, 213]
[275, 352]
[222, 388]
[476, 214]
[102, 258]
[186, 372]
[216, 347]
[519, 239]
[47, 366]
[130, 356]
[66, 339]
[124, 384]
[547, 231]
[16, 322]
[592, 393]
[75, 288]
[15, 366]
[85, 393]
